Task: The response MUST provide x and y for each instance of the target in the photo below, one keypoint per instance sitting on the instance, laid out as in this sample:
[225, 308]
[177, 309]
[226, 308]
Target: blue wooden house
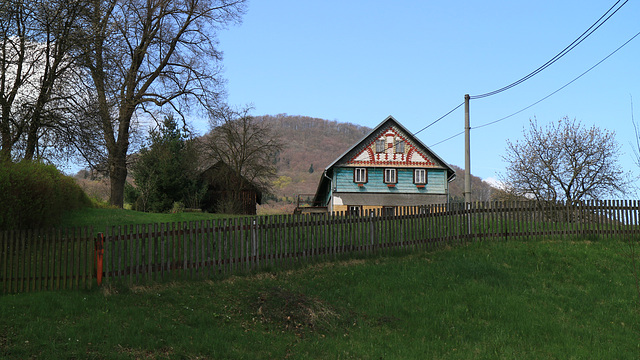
[387, 169]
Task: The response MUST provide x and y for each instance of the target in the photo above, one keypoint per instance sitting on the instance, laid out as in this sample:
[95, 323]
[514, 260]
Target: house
[223, 184]
[387, 169]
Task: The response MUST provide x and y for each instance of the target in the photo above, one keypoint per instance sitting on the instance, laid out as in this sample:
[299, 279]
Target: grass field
[100, 218]
[493, 300]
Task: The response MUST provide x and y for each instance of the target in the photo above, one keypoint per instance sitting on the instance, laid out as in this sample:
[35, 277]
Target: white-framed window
[380, 145]
[420, 176]
[400, 147]
[390, 176]
[360, 175]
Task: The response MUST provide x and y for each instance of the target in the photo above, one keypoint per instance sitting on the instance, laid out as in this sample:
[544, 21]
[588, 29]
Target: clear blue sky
[360, 61]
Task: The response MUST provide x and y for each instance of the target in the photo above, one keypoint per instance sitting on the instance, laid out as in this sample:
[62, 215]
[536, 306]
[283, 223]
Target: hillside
[312, 144]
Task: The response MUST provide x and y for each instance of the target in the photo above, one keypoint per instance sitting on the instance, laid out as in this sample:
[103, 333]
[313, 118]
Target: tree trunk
[118, 178]
[7, 137]
[32, 138]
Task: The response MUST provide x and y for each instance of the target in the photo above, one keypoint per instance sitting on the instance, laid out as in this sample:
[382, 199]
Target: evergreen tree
[166, 171]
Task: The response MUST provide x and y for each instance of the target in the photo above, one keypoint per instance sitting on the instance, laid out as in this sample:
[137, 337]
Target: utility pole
[467, 152]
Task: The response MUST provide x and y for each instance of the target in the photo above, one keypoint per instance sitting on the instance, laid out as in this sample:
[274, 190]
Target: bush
[34, 195]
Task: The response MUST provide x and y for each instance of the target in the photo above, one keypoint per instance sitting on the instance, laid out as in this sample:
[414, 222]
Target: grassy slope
[101, 218]
[515, 300]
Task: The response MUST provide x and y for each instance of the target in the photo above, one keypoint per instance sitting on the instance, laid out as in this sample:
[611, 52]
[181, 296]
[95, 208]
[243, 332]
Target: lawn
[494, 300]
[102, 218]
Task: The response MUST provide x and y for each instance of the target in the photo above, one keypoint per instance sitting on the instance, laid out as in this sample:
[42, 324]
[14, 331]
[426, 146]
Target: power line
[440, 118]
[562, 53]
[548, 96]
[447, 139]
[564, 86]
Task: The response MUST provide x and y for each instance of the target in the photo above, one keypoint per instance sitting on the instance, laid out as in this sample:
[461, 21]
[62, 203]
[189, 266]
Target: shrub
[178, 208]
[34, 195]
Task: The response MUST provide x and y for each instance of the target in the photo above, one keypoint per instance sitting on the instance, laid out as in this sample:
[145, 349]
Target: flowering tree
[564, 161]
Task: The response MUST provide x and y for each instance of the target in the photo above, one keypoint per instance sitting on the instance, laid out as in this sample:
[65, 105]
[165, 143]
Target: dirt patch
[162, 353]
[296, 312]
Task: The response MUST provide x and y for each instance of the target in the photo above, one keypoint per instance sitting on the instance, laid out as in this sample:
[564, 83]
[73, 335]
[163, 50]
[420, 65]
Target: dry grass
[294, 311]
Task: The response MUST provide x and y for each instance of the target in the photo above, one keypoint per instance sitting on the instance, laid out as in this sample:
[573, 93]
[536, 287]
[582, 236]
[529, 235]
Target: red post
[99, 251]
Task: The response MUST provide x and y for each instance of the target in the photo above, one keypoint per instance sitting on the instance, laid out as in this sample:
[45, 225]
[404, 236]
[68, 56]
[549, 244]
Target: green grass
[101, 218]
[493, 300]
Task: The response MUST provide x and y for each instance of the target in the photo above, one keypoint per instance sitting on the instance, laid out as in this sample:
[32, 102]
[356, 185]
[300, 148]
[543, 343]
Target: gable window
[400, 147]
[360, 175]
[420, 176]
[380, 145]
[390, 176]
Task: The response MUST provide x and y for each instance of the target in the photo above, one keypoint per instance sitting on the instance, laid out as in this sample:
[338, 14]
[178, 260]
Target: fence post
[99, 252]
[372, 230]
[254, 245]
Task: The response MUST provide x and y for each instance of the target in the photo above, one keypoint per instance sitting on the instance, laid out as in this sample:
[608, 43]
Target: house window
[390, 176]
[360, 175]
[380, 145]
[355, 210]
[400, 147]
[420, 176]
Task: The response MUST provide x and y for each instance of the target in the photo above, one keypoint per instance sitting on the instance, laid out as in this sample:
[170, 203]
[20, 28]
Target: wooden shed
[224, 184]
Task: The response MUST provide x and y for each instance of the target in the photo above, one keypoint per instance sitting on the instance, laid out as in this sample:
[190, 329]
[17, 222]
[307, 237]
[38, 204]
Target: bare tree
[564, 162]
[143, 55]
[246, 144]
[36, 58]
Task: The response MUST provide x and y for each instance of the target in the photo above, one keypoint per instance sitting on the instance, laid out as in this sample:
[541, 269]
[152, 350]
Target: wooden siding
[436, 182]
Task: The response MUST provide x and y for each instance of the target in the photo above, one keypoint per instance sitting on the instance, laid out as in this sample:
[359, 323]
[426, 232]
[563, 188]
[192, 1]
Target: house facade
[387, 169]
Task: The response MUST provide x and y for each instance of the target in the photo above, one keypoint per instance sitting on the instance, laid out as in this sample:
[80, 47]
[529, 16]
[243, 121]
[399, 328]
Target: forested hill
[311, 144]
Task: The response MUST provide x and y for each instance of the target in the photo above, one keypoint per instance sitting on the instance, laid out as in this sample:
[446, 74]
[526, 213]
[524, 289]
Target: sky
[360, 61]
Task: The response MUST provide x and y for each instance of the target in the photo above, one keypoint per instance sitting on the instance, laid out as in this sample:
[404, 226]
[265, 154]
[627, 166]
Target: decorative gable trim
[412, 155]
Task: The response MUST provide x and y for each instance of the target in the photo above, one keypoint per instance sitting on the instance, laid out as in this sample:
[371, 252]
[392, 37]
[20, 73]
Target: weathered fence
[36, 260]
[46, 260]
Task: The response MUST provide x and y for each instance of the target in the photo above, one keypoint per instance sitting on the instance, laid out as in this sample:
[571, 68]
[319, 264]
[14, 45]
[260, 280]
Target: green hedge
[34, 195]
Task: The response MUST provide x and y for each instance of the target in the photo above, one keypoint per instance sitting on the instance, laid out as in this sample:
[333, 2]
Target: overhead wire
[562, 87]
[606, 16]
[440, 118]
[562, 53]
[548, 96]
[447, 139]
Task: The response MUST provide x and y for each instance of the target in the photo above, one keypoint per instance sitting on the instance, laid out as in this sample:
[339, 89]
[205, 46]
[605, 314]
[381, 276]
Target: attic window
[400, 147]
[380, 145]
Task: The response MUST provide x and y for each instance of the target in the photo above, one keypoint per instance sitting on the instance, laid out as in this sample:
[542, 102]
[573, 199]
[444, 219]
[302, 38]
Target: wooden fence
[40, 260]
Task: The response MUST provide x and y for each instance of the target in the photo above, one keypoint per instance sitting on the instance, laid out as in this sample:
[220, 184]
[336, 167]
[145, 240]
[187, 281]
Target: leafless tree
[143, 55]
[38, 40]
[564, 162]
[246, 144]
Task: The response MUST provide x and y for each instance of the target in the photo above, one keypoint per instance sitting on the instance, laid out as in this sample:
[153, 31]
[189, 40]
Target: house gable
[398, 150]
[390, 132]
